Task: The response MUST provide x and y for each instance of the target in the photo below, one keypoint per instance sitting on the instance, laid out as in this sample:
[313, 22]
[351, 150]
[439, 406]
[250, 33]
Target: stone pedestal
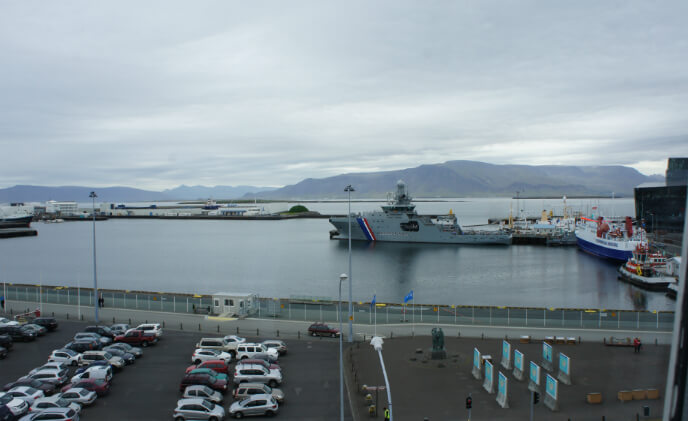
[438, 355]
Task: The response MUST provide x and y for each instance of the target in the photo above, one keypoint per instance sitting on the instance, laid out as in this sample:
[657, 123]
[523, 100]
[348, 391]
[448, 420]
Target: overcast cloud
[157, 94]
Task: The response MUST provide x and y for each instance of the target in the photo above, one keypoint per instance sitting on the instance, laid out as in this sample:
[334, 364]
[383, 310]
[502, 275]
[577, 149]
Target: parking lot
[149, 389]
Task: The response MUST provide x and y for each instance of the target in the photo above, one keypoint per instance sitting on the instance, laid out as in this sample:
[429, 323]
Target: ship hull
[16, 222]
[381, 227]
[659, 283]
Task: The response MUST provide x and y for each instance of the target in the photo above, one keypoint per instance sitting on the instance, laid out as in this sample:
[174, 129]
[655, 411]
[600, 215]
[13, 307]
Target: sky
[153, 95]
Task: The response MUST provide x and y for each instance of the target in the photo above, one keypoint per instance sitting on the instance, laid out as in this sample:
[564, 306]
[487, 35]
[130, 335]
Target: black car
[6, 341]
[127, 357]
[18, 333]
[101, 330]
[82, 346]
[47, 387]
[47, 322]
[3, 352]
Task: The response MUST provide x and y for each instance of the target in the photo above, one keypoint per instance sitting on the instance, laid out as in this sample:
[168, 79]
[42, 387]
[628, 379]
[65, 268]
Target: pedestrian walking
[636, 345]
[386, 414]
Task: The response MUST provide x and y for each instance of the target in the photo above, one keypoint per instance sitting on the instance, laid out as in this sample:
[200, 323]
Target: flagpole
[413, 310]
[375, 318]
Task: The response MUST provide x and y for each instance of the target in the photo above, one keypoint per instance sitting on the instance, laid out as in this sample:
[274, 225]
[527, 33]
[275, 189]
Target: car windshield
[83, 392]
[108, 355]
[30, 390]
[267, 389]
[5, 399]
[99, 382]
[207, 404]
[208, 391]
[265, 348]
[62, 402]
[69, 352]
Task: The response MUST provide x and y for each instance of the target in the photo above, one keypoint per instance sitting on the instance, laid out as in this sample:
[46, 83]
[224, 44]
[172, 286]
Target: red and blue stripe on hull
[365, 227]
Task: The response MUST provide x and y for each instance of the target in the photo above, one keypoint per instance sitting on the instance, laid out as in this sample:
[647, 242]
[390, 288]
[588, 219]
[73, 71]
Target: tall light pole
[349, 189]
[93, 196]
[376, 342]
[342, 278]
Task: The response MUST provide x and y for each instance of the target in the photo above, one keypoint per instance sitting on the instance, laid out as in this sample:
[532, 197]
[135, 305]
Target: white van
[103, 372]
[249, 350]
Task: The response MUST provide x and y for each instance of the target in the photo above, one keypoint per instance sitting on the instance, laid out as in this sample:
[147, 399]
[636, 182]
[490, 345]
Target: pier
[18, 232]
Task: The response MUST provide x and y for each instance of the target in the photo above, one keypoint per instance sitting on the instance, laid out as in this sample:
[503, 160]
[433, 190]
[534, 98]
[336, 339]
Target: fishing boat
[609, 238]
[647, 269]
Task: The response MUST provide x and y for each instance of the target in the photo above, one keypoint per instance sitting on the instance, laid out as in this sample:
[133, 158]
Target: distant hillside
[78, 194]
[218, 192]
[475, 179]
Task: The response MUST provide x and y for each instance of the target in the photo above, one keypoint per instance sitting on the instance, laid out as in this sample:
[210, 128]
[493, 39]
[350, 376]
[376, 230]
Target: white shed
[234, 303]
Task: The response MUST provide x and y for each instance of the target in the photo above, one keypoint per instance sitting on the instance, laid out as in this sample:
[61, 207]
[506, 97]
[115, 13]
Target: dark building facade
[662, 206]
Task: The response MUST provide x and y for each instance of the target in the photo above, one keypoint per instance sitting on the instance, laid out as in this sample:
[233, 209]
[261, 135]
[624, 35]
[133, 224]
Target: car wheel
[333, 335]
[73, 363]
[197, 362]
[239, 415]
[243, 357]
[145, 344]
[270, 414]
[179, 419]
[273, 383]
[312, 333]
[212, 419]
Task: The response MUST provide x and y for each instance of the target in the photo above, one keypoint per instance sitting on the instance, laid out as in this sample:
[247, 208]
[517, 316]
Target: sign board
[502, 385]
[477, 369]
[506, 355]
[488, 384]
[551, 393]
[534, 377]
[564, 375]
[547, 356]
[518, 365]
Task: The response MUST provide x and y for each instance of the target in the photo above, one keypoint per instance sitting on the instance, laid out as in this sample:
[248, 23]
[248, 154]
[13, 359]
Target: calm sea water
[296, 257]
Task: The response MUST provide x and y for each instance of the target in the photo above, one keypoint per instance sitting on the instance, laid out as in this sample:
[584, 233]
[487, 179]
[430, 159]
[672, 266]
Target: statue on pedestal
[438, 351]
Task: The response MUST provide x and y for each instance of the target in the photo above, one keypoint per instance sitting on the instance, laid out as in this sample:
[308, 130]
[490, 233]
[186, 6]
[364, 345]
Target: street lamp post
[376, 342]
[342, 278]
[349, 189]
[93, 196]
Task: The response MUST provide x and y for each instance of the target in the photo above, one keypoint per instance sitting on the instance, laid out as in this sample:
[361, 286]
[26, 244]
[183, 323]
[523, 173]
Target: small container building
[235, 303]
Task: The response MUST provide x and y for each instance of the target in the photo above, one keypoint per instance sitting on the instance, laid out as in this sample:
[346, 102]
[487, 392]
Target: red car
[321, 329]
[100, 386]
[216, 365]
[203, 379]
[269, 366]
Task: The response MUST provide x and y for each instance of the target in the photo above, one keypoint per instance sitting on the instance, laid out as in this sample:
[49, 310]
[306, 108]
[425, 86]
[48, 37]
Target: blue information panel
[535, 373]
[506, 351]
[501, 385]
[546, 352]
[476, 358]
[564, 364]
[518, 360]
[551, 387]
[488, 371]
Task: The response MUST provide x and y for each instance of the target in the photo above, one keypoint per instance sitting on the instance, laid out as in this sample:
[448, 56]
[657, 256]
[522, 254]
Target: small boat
[608, 238]
[647, 270]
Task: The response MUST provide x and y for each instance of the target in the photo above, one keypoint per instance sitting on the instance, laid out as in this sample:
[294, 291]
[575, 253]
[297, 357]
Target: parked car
[7, 322]
[100, 386]
[17, 407]
[66, 414]
[49, 323]
[198, 409]
[234, 339]
[102, 340]
[151, 327]
[322, 329]
[244, 390]
[127, 357]
[98, 363]
[83, 346]
[203, 354]
[6, 341]
[38, 330]
[217, 343]
[249, 350]
[19, 333]
[136, 351]
[49, 366]
[26, 393]
[65, 356]
[254, 405]
[138, 337]
[54, 401]
[215, 365]
[79, 395]
[264, 363]
[203, 392]
[45, 387]
[101, 330]
[56, 377]
[280, 346]
[90, 356]
[119, 328]
[94, 372]
[254, 373]
[203, 379]
[208, 371]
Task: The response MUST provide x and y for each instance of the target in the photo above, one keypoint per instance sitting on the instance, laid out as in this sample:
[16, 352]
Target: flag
[372, 303]
[408, 297]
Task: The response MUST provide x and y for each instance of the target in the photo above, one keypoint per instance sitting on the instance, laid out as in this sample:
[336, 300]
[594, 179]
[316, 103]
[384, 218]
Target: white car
[26, 393]
[50, 365]
[54, 401]
[90, 356]
[79, 395]
[203, 392]
[150, 327]
[254, 405]
[7, 322]
[94, 372]
[234, 339]
[203, 354]
[66, 356]
[17, 407]
[249, 350]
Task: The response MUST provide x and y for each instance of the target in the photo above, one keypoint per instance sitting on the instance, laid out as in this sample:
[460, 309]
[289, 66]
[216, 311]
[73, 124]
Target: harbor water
[287, 258]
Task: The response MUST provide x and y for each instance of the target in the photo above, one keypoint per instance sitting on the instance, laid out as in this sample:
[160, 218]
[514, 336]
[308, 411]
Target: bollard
[391, 335]
[163, 323]
[579, 340]
[413, 333]
[655, 341]
[113, 320]
[82, 317]
[257, 332]
[278, 333]
[482, 336]
[237, 330]
[298, 334]
[146, 321]
[181, 326]
[53, 314]
[130, 321]
[199, 327]
[364, 338]
[218, 328]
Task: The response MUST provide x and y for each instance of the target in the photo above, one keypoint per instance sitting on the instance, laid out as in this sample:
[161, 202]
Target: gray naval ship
[400, 222]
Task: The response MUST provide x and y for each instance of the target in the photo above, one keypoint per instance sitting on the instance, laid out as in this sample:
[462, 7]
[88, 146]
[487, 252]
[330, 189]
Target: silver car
[254, 373]
[244, 390]
[54, 401]
[50, 365]
[134, 350]
[254, 405]
[203, 392]
[66, 414]
[198, 409]
[79, 395]
[58, 377]
[66, 356]
[17, 407]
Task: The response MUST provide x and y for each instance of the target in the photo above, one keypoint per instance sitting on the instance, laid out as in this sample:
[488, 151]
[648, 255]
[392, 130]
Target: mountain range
[449, 179]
